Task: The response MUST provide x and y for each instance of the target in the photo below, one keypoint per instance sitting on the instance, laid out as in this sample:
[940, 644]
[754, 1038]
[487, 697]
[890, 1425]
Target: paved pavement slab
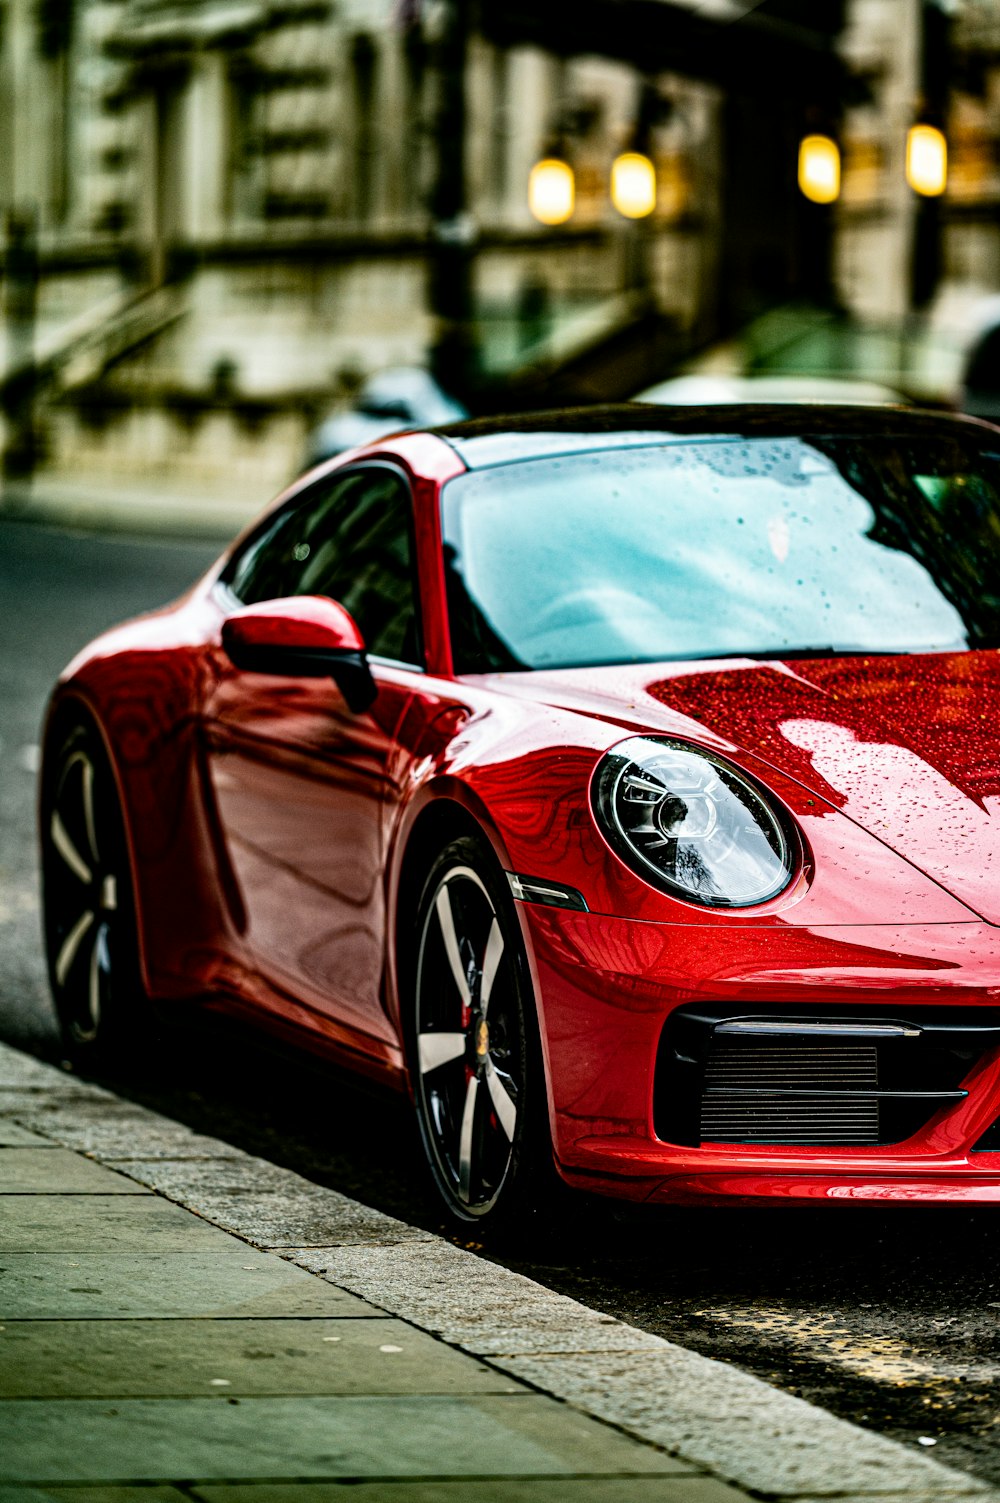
[13, 1136]
[145, 1305]
[98, 1223]
[721, 1417]
[236, 1282]
[133, 1440]
[23, 1071]
[467, 1299]
[28, 1103]
[57, 1171]
[730, 1422]
[194, 1358]
[58, 1494]
[492, 1490]
[113, 1129]
[269, 1206]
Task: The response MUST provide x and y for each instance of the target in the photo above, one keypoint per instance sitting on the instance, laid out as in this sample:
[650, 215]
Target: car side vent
[819, 1092]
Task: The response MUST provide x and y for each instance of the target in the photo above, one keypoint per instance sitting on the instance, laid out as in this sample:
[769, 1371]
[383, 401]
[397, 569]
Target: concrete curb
[724, 1421]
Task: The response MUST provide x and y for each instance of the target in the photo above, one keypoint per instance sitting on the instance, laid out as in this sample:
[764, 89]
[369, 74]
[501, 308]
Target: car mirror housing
[306, 636]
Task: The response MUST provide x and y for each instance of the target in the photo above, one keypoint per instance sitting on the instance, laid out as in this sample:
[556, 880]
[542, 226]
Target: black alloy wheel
[90, 935]
[474, 1049]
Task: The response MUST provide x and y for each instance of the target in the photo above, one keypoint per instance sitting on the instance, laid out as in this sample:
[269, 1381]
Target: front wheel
[475, 1054]
[90, 930]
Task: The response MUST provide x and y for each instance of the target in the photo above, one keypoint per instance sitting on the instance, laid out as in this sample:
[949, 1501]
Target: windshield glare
[724, 547]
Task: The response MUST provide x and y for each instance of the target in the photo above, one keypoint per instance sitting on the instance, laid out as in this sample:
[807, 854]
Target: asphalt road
[889, 1317]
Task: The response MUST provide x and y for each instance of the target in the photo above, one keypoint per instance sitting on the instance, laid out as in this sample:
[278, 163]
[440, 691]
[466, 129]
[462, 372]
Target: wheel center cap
[481, 1037]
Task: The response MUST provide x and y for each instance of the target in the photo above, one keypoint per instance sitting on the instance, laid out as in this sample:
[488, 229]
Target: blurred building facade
[236, 204]
[957, 86]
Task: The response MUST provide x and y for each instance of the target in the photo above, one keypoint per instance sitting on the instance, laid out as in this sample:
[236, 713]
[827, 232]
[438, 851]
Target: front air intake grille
[844, 1078]
[787, 1091]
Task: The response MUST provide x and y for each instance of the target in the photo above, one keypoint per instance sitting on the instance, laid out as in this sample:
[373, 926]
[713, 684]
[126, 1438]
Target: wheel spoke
[467, 1068]
[503, 1104]
[67, 850]
[436, 1049]
[94, 988]
[491, 960]
[447, 921]
[70, 945]
[88, 809]
[465, 1140]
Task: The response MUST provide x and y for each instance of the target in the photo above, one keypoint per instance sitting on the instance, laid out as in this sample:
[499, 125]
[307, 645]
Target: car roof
[485, 442]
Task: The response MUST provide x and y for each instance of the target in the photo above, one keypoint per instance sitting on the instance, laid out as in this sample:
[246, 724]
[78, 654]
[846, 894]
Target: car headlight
[691, 824]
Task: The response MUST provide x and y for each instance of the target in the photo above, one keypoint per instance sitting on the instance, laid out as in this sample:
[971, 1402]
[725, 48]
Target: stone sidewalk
[160, 506]
[179, 1321]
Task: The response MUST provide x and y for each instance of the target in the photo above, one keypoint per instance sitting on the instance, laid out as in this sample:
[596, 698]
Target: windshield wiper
[779, 654]
[833, 652]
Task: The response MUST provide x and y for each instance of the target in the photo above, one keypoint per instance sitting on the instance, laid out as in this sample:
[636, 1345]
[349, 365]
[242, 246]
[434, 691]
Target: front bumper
[606, 987]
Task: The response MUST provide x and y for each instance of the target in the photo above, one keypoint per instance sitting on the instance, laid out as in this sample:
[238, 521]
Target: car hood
[905, 746]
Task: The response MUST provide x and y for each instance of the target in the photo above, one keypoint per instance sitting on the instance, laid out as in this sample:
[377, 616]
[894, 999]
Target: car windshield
[725, 547]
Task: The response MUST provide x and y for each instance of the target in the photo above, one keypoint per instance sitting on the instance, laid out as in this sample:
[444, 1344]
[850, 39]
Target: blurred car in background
[388, 402]
[710, 390]
[979, 394]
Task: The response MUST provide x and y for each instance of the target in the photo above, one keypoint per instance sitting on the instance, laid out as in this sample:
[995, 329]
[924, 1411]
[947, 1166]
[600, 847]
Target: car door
[303, 787]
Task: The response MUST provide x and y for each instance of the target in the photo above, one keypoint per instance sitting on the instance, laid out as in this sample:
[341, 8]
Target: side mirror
[306, 636]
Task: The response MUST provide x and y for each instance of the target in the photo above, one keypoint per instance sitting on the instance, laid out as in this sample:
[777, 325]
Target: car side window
[264, 569]
[350, 538]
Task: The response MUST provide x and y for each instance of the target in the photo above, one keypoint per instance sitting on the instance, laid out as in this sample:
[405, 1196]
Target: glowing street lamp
[551, 191]
[633, 185]
[819, 169]
[926, 160]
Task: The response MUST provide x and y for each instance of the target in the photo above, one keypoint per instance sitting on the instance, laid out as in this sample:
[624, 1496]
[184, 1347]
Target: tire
[89, 908]
[474, 1049]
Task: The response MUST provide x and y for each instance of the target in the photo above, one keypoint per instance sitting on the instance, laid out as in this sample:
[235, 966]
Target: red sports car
[621, 783]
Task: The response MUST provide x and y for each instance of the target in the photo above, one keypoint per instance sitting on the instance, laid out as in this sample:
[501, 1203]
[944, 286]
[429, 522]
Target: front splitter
[970, 1187]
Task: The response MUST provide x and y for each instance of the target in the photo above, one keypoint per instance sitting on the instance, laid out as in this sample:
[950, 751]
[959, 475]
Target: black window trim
[229, 600]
